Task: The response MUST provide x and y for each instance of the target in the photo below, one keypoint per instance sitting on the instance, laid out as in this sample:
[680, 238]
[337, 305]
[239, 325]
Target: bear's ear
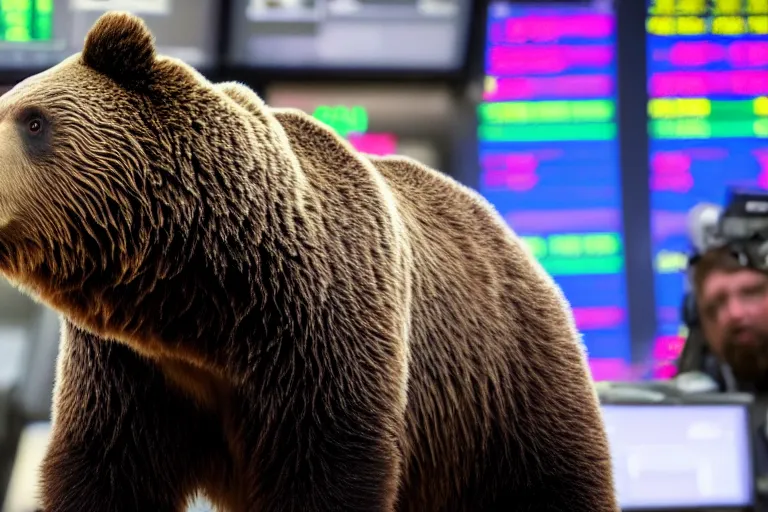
[121, 46]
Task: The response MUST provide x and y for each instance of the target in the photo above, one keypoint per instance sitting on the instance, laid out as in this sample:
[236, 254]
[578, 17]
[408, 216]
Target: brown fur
[253, 308]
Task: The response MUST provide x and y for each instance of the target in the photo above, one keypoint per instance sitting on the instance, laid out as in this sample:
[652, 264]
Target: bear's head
[119, 168]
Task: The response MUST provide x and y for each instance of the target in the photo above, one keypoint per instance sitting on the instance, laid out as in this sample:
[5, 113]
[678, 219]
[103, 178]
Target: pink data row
[739, 54]
[549, 59]
[374, 143]
[581, 86]
[512, 171]
[612, 369]
[667, 347]
[516, 180]
[579, 220]
[522, 159]
[671, 170]
[552, 28]
[705, 83]
[607, 317]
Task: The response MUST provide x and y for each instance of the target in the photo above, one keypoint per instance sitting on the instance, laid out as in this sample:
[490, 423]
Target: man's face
[734, 315]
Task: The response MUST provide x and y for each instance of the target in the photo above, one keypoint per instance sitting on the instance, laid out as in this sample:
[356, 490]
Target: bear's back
[477, 296]
[490, 334]
[487, 329]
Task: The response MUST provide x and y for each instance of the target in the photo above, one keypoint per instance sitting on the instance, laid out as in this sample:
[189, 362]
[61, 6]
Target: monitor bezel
[737, 400]
[472, 46]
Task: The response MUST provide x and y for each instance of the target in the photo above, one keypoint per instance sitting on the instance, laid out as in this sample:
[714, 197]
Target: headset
[742, 227]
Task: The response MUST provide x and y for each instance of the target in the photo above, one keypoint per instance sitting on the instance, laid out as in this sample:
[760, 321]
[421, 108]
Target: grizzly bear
[253, 310]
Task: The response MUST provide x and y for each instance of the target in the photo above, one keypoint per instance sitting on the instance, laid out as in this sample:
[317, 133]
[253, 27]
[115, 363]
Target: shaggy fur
[253, 309]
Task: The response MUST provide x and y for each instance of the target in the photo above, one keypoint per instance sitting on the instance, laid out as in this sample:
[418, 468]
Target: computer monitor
[707, 91]
[548, 154]
[376, 35]
[681, 456]
[36, 34]
[409, 120]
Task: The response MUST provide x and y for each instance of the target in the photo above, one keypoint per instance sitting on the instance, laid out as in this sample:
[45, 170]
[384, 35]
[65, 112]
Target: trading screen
[344, 34]
[412, 121]
[708, 128]
[549, 158]
[35, 34]
[680, 457]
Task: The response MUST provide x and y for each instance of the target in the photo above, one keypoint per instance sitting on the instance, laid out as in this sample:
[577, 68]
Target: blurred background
[593, 126]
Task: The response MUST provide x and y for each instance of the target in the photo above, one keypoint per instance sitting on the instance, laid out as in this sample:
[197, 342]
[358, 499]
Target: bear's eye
[35, 125]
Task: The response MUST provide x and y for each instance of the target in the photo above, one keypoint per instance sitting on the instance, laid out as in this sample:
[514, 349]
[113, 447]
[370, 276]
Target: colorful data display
[24, 21]
[708, 129]
[549, 158]
[37, 34]
[352, 124]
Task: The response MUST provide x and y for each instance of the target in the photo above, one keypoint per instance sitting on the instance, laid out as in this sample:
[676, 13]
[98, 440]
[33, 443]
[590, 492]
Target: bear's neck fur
[225, 235]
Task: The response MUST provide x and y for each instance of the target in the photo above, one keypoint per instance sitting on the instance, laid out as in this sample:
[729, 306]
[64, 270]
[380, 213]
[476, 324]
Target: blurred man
[732, 303]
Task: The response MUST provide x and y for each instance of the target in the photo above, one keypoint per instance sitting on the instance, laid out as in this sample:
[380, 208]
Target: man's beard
[748, 361]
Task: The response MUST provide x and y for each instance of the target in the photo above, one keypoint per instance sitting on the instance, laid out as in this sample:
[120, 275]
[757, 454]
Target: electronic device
[389, 35]
[682, 454]
[706, 86]
[549, 157]
[37, 34]
[741, 227]
[408, 120]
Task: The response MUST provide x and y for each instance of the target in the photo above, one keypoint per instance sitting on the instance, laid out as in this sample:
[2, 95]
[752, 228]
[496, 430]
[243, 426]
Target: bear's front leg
[122, 441]
[332, 438]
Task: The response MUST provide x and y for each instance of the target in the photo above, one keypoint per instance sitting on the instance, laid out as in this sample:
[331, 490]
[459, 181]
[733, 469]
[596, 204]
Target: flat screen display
[549, 157]
[413, 121]
[420, 35]
[680, 456]
[708, 129]
[36, 34]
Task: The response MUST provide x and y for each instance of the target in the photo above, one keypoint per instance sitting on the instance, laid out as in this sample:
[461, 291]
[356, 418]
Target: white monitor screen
[686, 456]
[344, 34]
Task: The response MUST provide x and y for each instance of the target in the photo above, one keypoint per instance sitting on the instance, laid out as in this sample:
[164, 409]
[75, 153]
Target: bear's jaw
[100, 315]
[129, 316]
[16, 259]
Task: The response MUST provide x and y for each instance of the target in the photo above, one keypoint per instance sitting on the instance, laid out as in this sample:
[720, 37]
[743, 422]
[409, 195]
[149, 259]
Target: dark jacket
[697, 357]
